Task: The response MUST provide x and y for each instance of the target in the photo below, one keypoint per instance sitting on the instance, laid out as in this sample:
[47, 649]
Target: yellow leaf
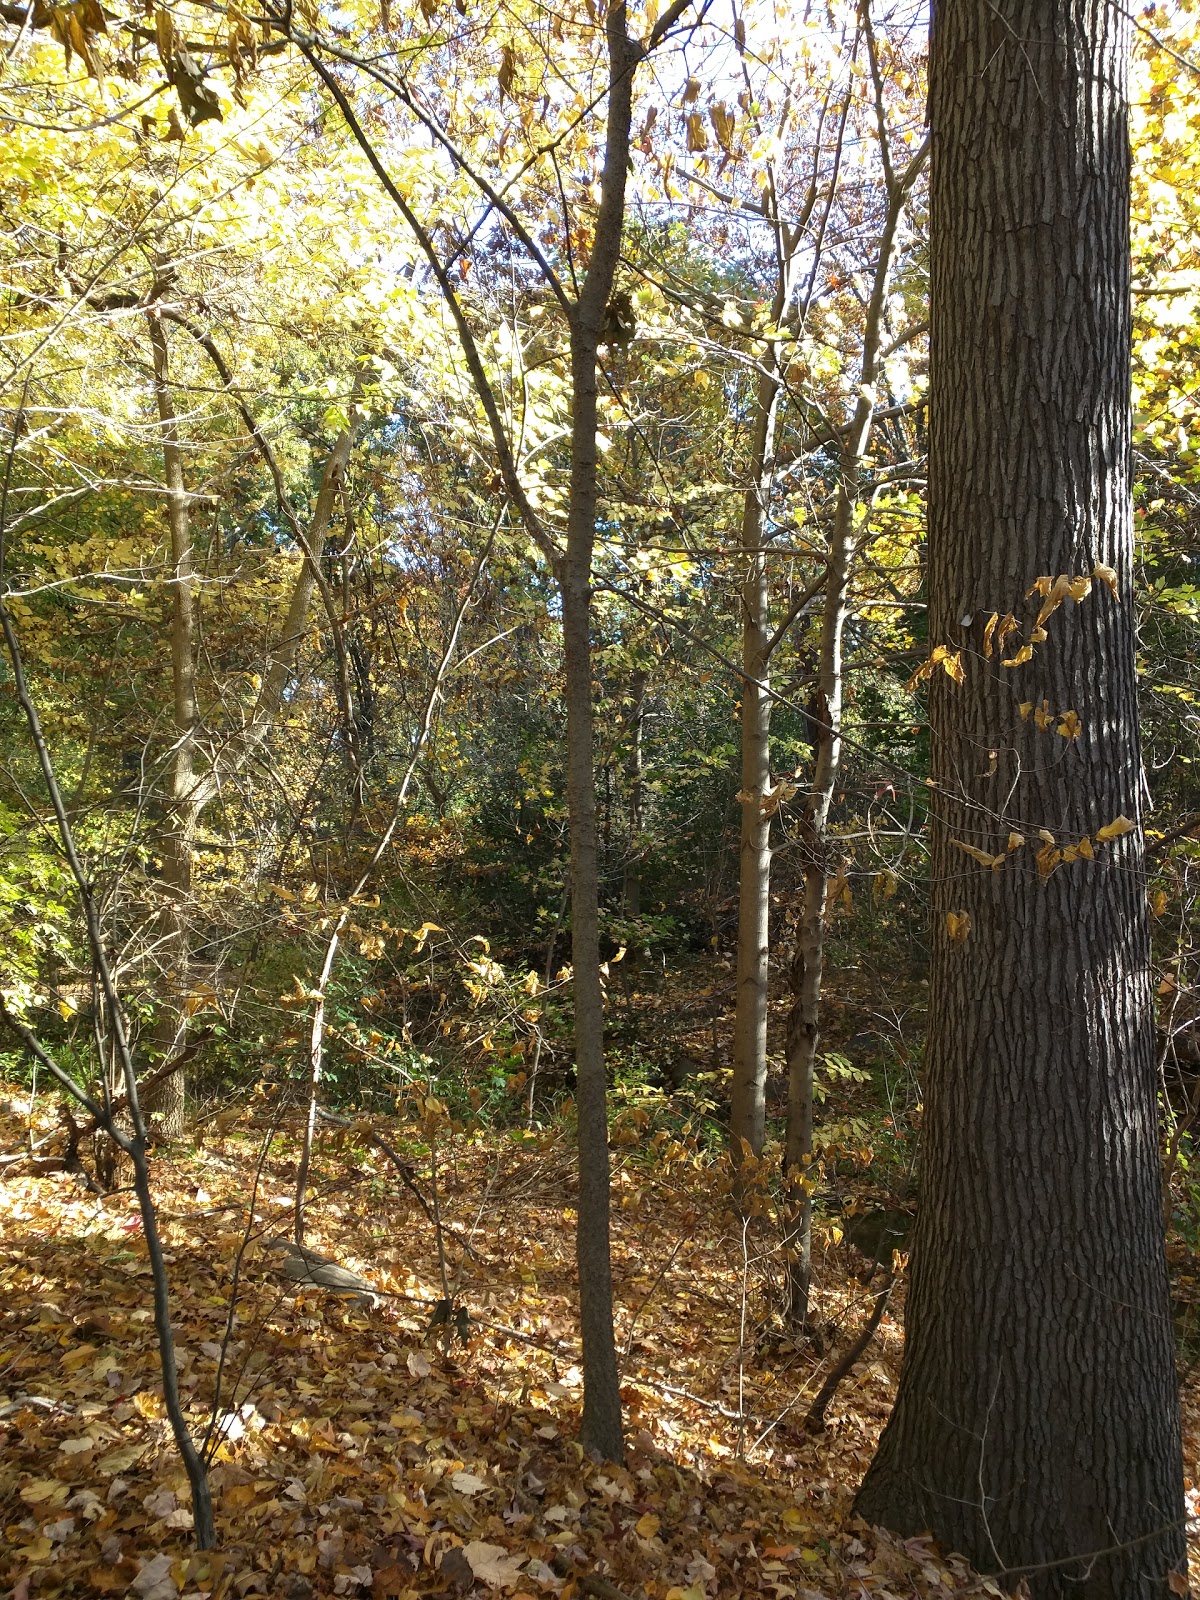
[164, 34]
[940, 656]
[1158, 905]
[1105, 575]
[985, 858]
[1040, 585]
[620, 955]
[1025, 708]
[776, 797]
[1114, 830]
[646, 1527]
[1043, 716]
[1015, 841]
[1006, 628]
[958, 926]
[198, 999]
[723, 123]
[697, 139]
[1048, 857]
[508, 67]
[1038, 636]
[1024, 654]
[952, 666]
[1070, 727]
[1084, 848]
[988, 631]
[839, 890]
[1079, 588]
[45, 1491]
[1058, 592]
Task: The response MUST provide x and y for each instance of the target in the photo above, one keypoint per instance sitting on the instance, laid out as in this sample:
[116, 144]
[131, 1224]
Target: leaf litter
[358, 1458]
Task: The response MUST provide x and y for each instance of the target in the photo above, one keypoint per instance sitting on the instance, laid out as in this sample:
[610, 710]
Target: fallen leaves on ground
[354, 1458]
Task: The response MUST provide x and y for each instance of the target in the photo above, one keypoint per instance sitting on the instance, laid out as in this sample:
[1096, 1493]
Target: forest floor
[358, 1456]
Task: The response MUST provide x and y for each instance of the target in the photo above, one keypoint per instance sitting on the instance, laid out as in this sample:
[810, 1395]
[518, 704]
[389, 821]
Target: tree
[593, 318]
[1036, 1425]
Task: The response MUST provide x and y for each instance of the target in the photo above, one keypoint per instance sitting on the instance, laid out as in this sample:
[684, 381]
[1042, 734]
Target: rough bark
[1036, 1425]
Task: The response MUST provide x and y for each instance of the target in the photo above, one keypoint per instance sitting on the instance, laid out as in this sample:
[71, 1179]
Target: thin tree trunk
[282, 661]
[130, 1140]
[1036, 1425]
[174, 841]
[601, 1431]
[748, 1090]
[747, 1105]
[803, 1023]
[804, 1015]
[190, 792]
[631, 892]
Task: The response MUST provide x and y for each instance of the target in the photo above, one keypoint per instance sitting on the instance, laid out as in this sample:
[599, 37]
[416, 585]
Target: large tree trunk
[1036, 1424]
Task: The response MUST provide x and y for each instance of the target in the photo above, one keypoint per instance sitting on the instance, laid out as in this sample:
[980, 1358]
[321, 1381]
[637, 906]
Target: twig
[207, 1446]
[647, 1297]
[407, 1176]
[600, 1588]
[815, 1420]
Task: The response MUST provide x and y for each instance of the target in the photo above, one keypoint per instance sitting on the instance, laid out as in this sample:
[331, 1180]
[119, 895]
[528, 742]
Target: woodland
[599, 809]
